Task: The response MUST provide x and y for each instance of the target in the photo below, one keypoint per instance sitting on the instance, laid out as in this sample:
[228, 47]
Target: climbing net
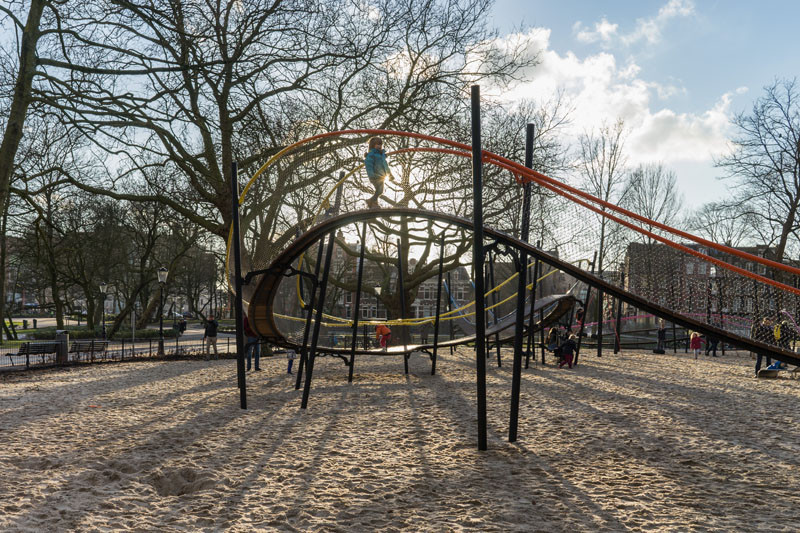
[731, 289]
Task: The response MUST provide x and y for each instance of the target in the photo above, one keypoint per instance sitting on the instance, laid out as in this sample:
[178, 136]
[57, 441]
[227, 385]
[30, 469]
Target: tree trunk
[3, 249]
[22, 97]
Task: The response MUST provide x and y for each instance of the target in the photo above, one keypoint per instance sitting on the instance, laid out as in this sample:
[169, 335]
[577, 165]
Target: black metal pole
[618, 324]
[358, 299]
[323, 285]
[450, 318]
[541, 332]
[477, 262]
[720, 299]
[438, 304]
[237, 281]
[532, 317]
[494, 306]
[160, 320]
[585, 313]
[309, 316]
[600, 311]
[522, 270]
[402, 292]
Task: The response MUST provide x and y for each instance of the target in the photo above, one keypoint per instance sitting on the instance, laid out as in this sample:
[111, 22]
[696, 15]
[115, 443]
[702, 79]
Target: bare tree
[195, 86]
[725, 223]
[651, 191]
[764, 163]
[601, 166]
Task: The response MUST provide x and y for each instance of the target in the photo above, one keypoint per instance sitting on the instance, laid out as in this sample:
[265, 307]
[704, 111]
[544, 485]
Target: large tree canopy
[189, 87]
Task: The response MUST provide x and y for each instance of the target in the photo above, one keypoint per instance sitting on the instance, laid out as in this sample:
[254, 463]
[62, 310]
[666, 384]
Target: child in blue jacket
[377, 169]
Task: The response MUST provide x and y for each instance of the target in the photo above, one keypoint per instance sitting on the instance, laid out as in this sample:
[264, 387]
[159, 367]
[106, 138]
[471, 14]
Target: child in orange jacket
[384, 335]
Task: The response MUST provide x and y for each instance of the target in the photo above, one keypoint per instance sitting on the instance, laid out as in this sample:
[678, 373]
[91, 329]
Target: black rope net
[732, 290]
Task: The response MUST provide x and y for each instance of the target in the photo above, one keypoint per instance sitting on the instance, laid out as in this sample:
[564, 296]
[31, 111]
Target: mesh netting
[732, 290]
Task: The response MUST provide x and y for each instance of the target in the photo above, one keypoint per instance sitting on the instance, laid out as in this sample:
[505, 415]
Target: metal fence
[45, 353]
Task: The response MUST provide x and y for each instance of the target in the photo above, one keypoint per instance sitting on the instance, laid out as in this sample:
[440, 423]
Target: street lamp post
[162, 279]
[377, 301]
[103, 289]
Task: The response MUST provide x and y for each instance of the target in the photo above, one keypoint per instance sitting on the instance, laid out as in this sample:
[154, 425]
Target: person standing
[567, 350]
[762, 331]
[377, 169]
[695, 343]
[210, 337]
[579, 315]
[290, 356]
[712, 346]
[662, 336]
[251, 346]
[384, 335]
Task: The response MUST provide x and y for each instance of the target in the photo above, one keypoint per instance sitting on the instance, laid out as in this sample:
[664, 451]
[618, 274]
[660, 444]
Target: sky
[676, 71]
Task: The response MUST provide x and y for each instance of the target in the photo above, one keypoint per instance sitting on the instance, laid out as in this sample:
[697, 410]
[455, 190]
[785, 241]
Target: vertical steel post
[477, 262]
[522, 270]
[323, 285]
[720, 301]
[532, 317]
[357, 303]
[402, 292]
[309, 315]
[494, 304]
[237, 283]
[618, 325]
[438, 304]
[600, 311]
[585, 312]
[541, 332]
[450, 319]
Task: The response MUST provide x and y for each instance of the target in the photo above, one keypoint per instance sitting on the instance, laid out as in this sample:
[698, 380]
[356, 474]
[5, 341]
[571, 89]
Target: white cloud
[648, 30]
[678, 137]
[600, 89]
[604, 31]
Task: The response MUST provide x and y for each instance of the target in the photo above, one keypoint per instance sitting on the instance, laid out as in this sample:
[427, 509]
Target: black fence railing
[30, 354]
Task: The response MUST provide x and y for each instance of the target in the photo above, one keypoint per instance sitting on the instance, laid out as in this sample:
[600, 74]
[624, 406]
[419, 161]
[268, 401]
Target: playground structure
[298, 264]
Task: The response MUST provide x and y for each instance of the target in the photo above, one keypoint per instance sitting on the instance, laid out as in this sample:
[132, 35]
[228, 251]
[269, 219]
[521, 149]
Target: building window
[690, 268]
[701, 268]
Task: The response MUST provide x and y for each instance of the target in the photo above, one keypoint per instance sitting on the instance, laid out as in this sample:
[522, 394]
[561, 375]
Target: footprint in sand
[181, 481]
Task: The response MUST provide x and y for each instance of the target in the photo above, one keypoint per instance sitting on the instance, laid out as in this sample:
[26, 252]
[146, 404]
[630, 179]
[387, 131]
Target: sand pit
[669, 444]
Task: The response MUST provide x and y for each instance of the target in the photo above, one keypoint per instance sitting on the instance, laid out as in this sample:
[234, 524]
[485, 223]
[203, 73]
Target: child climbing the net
[377, 169]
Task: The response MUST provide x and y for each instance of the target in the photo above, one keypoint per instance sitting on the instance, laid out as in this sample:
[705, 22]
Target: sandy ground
[624, 443]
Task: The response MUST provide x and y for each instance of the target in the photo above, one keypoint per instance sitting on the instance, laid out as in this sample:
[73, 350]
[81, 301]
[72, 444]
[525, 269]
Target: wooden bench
[28, 349]
[88, 347]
